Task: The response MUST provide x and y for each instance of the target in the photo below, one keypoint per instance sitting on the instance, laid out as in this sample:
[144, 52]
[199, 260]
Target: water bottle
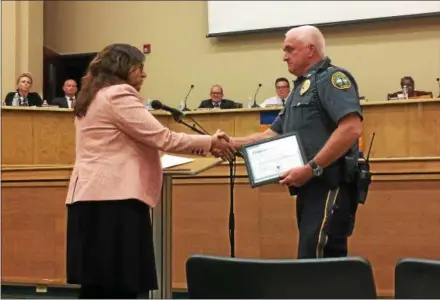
[405, 92]
[182, 105]
[16, 100]
[149, 107]
[250, 102]
[44, 103]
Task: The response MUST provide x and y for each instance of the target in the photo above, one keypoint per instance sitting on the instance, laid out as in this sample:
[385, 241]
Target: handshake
[222, 146]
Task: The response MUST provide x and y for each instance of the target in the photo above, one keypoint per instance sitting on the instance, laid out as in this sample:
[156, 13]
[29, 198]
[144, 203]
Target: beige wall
[377, 54]
[22, 43]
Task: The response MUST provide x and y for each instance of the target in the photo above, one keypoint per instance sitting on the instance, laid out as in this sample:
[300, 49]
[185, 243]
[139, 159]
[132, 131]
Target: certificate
[266, 160]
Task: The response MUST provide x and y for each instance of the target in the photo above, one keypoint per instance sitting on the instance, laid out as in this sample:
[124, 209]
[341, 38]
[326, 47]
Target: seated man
[408, 82]
[282, 89]
[217, 101]
[68, 101]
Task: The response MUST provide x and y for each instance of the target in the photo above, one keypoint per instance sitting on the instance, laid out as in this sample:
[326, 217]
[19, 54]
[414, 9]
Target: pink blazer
[117, 149]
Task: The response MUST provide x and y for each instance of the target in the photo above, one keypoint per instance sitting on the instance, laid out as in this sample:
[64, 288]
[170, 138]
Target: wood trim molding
[36, 174]
[383, 169]
[241, 110]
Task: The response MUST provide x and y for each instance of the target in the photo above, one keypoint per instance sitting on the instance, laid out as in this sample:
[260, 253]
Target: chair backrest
[224, 277]
[417, 279]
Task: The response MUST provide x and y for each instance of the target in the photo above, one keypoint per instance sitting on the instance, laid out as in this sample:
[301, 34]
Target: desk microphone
[177, 114]
[184, 108]
[438, 82]
[255, 105]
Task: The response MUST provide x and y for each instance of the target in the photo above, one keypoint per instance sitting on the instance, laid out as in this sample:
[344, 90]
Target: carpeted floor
[29, 292]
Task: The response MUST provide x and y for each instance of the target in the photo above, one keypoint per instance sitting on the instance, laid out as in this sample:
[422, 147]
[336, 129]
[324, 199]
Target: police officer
[324, 109]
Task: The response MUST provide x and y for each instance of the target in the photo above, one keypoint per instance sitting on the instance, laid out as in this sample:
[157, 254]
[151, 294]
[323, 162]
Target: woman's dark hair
[110, 67]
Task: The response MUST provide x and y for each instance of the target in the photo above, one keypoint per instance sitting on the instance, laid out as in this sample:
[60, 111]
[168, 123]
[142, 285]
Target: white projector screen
[232, 17]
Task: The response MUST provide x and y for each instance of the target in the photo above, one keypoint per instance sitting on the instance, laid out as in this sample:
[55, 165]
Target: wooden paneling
[400, 219]
[37, 136]
[17, 141]
[404, 128]
[33, 232]
[407, 128]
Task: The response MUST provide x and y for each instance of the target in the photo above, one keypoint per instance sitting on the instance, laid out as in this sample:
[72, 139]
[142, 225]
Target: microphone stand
[179, 120]
[255, 105]
[186, 97]
[438, 83]
[232, 171]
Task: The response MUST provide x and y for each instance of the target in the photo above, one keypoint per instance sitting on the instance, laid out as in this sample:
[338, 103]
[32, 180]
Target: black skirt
[110, 244]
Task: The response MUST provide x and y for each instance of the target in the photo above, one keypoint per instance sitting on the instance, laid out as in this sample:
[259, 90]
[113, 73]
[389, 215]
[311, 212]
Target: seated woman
[408, 81]
[22, 96]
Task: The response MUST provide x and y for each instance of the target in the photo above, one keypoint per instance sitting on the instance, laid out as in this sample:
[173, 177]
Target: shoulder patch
[340, 81]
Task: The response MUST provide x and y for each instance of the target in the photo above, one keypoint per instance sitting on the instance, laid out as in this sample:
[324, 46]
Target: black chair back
[223, 277]
[417, 279]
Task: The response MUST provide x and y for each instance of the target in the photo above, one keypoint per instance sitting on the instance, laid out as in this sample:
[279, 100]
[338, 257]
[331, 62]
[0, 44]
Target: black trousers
[325, 218]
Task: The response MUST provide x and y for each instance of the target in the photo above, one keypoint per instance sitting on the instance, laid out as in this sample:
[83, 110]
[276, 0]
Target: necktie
[25, 101]
[284, 101]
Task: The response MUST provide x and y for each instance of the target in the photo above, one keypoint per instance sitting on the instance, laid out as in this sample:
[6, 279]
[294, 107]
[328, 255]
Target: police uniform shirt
[338, 94]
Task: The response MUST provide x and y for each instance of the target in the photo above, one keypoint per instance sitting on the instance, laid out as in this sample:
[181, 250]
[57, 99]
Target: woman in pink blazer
[117, 178]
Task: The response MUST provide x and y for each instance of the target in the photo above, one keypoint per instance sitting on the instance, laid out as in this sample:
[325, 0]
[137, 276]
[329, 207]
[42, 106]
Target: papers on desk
[169, 161]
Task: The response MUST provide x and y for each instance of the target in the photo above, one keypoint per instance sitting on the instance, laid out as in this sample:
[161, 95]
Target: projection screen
[232, 17]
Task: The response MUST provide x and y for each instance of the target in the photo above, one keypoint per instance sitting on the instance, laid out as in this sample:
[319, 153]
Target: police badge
[305, 87]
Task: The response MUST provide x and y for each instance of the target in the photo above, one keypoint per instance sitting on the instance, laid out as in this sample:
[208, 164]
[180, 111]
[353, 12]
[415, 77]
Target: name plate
[267, 159]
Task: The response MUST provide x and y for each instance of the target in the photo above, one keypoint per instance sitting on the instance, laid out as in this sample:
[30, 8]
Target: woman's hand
[221, 146]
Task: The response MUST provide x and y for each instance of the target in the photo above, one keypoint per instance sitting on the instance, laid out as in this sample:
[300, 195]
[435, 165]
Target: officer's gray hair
[309, 35]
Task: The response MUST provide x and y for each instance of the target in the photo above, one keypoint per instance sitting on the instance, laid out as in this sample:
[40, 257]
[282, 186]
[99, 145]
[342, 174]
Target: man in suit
[282, 89]
[68, 101]
[216, 100]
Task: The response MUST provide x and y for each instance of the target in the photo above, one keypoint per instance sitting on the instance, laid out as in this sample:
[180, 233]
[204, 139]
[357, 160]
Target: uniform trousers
[325, 219]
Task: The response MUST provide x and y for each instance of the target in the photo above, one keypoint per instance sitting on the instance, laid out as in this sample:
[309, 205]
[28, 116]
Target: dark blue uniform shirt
[320, 99]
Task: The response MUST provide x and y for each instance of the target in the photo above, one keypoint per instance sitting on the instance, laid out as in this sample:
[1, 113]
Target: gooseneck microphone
[184, 108]
[438, 83]
[177, 114]
[255, 105]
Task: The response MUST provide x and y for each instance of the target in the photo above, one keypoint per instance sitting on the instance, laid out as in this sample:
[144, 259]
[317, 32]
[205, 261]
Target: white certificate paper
[267, 160]
[169, 161]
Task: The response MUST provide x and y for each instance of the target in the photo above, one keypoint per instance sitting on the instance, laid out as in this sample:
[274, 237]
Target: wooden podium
[34, 251]
[162, 221]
